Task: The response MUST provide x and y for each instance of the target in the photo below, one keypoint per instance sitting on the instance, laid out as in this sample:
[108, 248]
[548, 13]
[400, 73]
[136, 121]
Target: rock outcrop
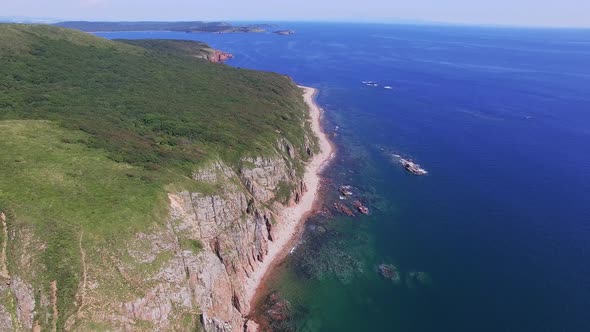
[217, 56]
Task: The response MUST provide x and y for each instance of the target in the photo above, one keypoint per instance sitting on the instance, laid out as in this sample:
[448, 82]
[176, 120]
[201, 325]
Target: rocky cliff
[187, 273]
[217, 56]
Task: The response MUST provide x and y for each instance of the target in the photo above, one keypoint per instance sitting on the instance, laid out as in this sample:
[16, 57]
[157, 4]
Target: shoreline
[292, 217]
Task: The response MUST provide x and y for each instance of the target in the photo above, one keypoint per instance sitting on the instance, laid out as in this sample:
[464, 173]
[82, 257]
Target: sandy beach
[292, 217]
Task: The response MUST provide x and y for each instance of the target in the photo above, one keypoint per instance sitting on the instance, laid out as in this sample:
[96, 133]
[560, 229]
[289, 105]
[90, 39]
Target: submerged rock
[389, 271]
[277, 309]
[325, 213]
[418, 278]
[343, 209]
[326, 255]
[321, 229]
[318, 229]
[275, 314]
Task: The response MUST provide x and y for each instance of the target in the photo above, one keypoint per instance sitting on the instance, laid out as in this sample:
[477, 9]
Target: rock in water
[389, 271]
[275, 314]
[345, 191]
[343, 209]
[360, 207]
[412, 167]
[279, 309]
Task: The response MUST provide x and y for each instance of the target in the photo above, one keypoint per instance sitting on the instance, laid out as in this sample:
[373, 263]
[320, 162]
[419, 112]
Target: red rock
[360, 207]
[219, 56]
[343, 209]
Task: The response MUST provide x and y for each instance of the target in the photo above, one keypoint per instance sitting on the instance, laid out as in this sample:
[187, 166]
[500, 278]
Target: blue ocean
[496, 237]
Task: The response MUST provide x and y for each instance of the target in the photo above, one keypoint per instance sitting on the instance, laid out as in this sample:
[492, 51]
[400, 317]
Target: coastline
[292, 217]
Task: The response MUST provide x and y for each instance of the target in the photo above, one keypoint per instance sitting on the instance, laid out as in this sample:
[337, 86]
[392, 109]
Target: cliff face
[186, 273]
[217, 56]
[235, 226]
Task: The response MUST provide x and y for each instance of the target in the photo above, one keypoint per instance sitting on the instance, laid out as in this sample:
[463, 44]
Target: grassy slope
[93, 132]
[186, 48]
[42, 163]
[61, 189]
[144, 107]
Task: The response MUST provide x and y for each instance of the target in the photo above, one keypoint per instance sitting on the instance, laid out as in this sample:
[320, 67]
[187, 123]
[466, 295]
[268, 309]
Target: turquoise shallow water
[500, 119]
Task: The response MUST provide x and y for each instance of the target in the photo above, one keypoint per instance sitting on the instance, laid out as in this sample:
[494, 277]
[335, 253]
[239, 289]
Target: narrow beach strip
[292, 217]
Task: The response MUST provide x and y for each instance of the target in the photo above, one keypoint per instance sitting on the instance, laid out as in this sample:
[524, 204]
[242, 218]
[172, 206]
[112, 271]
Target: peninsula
[145, 187]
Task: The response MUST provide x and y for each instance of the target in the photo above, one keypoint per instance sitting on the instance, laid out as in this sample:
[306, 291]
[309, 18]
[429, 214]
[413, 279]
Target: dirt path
[55, 315]
[81, 295]
[3, 265]
[82, 288]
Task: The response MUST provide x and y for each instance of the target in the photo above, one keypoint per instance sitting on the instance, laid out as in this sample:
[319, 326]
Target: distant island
[188, 26]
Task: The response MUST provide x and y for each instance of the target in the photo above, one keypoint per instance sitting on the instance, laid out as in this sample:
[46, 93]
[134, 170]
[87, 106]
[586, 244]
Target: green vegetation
[191, 244]
[172, 47]
[47, 180]
[63, 188]
[94, 132]
[283, 192]
[144, 106]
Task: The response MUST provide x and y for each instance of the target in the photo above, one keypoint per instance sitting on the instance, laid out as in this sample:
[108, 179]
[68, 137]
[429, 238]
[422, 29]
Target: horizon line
[384, 21]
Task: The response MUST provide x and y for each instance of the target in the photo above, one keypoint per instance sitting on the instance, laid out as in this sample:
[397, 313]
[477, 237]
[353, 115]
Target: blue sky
[502, 12]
